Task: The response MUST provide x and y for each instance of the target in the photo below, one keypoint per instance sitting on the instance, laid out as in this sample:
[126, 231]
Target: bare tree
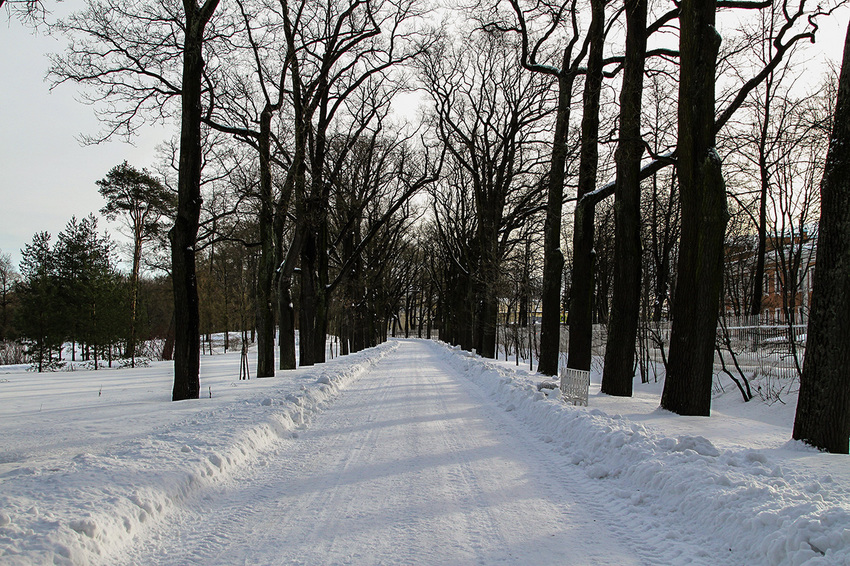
[185, 230]
[137, 57]
[245, 105]
[618, 373]
[794, 205]
[661, 208]
[29, 12]
[454, 236]
[582, 281]
[336, 53]
[687, 388]
[488, 113]
[8, 277]
[538, 26]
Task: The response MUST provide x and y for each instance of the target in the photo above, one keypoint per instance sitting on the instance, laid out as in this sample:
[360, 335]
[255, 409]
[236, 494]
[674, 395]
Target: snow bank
[84, 509]
[778, 514]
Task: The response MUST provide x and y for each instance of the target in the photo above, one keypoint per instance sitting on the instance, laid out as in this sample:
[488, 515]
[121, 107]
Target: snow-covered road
[412, 464]
[413, 452]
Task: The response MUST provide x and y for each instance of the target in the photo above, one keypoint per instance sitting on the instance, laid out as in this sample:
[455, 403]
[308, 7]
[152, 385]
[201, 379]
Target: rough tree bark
[553, 259]
[582, 280]
[687, 388]
[183, 235]
[268, 263]
[823, 408]
[618, 374]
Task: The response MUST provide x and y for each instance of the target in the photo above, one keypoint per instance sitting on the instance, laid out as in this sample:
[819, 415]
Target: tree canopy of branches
[489, 115]
[340, 59]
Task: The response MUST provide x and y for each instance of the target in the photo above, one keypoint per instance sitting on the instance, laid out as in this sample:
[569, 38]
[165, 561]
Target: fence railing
[745, 347]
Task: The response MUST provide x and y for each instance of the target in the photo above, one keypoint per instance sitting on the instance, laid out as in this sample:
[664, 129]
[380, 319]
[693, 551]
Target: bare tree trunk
[134, 298]
[758, 278]
[265, 284]
[286, 338]
[185, 230]
[582, 278]
[618, 373]
[407, 315]
[168, 345]
[687, 387]
[421, 317]
[308, 301]
[553, 259]
[488, 236]
[823, 408]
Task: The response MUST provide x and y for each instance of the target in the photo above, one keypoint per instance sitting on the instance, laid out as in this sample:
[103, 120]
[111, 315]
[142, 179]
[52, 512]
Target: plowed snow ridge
[415, 453]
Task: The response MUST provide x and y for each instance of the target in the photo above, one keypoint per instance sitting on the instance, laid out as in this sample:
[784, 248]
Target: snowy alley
[410, 453]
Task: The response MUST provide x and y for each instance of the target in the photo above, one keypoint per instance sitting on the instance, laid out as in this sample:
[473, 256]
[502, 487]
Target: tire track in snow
[648, 531]
[409, 465]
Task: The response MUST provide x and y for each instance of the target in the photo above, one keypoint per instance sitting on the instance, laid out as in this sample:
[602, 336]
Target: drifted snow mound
[769, 514]
[86, 509]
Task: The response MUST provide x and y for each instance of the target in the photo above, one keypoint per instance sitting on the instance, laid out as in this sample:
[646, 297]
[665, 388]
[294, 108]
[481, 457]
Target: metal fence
[746, 348]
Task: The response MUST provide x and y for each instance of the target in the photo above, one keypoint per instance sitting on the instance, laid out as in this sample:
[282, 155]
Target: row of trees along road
[303, 93]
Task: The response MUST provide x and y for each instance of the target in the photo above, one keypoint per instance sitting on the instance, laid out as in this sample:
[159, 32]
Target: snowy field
[409, 453]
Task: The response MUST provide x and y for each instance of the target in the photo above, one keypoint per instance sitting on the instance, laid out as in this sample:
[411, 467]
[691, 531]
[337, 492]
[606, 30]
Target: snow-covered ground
[409, 453]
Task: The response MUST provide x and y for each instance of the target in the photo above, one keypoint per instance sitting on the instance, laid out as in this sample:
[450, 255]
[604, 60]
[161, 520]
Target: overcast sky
[46, 176]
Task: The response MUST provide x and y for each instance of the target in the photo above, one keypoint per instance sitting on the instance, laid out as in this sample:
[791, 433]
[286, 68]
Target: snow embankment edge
[90, 508]
[763, 510]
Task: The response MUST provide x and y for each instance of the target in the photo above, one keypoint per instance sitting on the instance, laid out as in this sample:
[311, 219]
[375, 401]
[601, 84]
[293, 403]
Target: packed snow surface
[409, 453]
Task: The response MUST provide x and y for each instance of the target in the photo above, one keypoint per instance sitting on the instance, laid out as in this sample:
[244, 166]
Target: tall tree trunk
[183, 235]
[553, 259]
[488, 325]
[295, 188]
[314, 280]
[407, 315]
[758, 277]
[823, 408]
[581, 285]
[618, 374]
[687, 387]
[134, 297]
[525, 285]
[420, 318]
[307, 308]
[286, 336]
[322, 291]
[580, 315]
[488, 272]
[428, 307]
[168, 345]
[266, 269]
